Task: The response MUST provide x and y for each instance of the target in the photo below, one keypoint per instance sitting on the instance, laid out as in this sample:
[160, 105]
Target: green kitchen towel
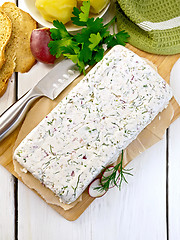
[153, 25]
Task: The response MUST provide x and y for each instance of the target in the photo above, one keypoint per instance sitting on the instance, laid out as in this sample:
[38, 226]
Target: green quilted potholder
[153, 25]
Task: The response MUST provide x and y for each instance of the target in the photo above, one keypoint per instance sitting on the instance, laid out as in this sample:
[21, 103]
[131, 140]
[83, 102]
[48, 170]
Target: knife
[49, 86]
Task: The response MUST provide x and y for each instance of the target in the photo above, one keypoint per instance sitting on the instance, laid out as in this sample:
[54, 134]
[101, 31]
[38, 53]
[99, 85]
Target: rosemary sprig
[116, 177]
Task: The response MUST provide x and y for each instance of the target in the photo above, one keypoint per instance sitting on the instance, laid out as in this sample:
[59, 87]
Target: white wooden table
[148, 208]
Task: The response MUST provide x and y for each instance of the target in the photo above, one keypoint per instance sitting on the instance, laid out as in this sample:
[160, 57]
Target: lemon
[56, 9]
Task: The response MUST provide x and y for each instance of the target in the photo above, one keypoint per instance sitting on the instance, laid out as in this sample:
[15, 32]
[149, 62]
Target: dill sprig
[116, 177]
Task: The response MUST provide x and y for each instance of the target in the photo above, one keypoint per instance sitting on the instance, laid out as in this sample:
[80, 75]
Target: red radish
[39, 41]
[93, 192]
[107, 172]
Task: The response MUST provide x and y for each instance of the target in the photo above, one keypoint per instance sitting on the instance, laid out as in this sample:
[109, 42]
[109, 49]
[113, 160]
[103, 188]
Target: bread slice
[7, 70]
[5, 34]
[8, 67]
[23, 24]
[17, 52]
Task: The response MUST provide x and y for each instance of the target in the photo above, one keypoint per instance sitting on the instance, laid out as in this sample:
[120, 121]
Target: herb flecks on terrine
[88, 129]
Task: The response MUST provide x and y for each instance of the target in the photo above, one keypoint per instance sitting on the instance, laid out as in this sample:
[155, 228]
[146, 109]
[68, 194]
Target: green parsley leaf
[81, 67]
[82, 37]
[122, 37]
[94, 39]
[74, 58]
[95, 25]
[54, 45]
[62, 46]
[110, 41]
[83, 16]
[99, 55]
[60, 31]
[76, 20]
[85, 54]
[119, 38]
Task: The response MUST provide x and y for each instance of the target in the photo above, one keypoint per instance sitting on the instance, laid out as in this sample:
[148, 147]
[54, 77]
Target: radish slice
[93, 192]
[107, 172]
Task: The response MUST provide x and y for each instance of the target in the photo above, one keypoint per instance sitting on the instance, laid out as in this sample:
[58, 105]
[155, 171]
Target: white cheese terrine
[88, 129]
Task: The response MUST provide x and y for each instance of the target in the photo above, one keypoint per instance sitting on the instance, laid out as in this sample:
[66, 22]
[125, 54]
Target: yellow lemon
[56, 9]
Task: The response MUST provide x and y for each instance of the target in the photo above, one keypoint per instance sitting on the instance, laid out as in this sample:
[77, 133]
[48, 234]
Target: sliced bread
[5, 34]
[23, 24]
[17, 52]
[7, 70]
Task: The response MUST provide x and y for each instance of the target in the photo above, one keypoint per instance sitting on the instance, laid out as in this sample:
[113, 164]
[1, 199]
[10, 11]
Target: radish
[39, 45]
[93, 192]
[107, 172]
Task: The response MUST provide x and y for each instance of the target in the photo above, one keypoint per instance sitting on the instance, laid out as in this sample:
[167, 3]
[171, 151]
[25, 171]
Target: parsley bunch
[85, 47]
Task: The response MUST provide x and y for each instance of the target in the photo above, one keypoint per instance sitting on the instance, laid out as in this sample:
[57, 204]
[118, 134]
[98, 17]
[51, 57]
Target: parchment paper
[149, 136]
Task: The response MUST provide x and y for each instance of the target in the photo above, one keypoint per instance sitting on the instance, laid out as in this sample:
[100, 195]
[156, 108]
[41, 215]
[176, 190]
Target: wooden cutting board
[164, 65]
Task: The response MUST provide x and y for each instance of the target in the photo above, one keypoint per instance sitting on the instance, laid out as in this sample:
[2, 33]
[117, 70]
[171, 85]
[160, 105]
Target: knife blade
[54, 82]
[51, 85]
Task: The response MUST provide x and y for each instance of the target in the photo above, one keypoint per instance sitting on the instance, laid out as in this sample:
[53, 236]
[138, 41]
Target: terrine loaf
[89, 128]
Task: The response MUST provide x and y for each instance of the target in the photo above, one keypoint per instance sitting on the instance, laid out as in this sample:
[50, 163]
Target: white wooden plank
[6, 205]
[9, 96]
[174, 181]
[174, 162]
[6, 179]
